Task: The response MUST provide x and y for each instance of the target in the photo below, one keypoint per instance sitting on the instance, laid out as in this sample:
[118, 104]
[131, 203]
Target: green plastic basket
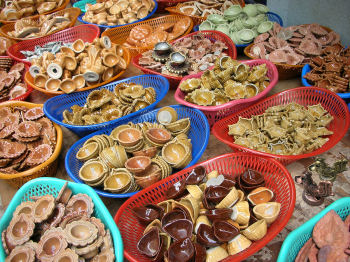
[44, 186]
[298, 237]
[81, 4]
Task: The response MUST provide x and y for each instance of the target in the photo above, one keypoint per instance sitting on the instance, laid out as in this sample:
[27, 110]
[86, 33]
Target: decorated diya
[11, 82]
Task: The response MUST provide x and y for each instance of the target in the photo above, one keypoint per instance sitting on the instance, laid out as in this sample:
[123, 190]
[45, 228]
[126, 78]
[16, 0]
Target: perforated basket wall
[198, 133]
[277, 179]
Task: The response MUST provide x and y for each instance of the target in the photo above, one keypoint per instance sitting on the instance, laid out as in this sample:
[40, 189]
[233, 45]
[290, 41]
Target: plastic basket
[212, 35]
[198, 133]
[196, 19]
[118, 35]
[48, 168]
[85, 32]
[29, 89]
[104, 27]
[44, 186]
[285, 71]
[277, 178]
[162, 4]
[73, 14]
[297, 238]
[215, 113]
[63, 6]
[30, 80]
[55, 106]
[81, 4]
[273, 17]
[302, 95]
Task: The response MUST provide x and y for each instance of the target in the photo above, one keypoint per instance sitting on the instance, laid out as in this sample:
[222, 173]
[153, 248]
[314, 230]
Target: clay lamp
[224, 231]
[200, 252]
[221, 214]
[147, 213]
[161, 51]
[250, 180]
[51, 243]
[158, 135]
[215, 194]
[80, 203]
[196, 176]
[177, 63]
[173, 216]
[34, 113]
[179, 229]
[67, 255]
[138, 164]
[182, 208]
[176, 190]
[150, 152]
[150, 243]
[21, 254]
[20, 229]
[64, 194]
[129, 137]
[228, 183]
[182, 250]
[81, 233]
[43, 208]
[57, 215]
[206, 236]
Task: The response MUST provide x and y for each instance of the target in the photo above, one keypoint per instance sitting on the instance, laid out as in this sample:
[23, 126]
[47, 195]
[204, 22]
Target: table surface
[302, 211]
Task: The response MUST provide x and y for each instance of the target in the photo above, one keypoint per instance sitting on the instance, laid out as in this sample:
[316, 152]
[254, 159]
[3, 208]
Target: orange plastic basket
[118, 35]
[73, 14]
[30, 81]
[63, 6]
[277, 178]
[48, 168]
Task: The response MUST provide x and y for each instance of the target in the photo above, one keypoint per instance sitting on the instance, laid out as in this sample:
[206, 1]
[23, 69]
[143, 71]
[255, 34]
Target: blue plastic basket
[273, 17]
[105, 27]
[298, 237]
[307, 69]
[198, 133]
[81, 4]
[44, 186]
[54, 107]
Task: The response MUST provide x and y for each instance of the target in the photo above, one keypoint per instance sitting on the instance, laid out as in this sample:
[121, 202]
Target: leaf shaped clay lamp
[20, 230]
[176, 190]
[206, 236]
[250, 180]
[221, 213]
[172, 216]
[146, 214]
[80, 203]
[179, 229]
[196, 176]
[150, 243]
[224, 231]
[182, 250]
[215, 193]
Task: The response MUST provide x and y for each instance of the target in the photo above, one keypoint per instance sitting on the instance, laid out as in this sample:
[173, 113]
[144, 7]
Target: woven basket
[63, 6]
[118, 35]
[48, 168]
[73, 14]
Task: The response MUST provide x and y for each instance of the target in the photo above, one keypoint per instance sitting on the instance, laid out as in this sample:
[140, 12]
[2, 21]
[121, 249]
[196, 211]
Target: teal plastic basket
[44, 186]
[298, 237]
[81, 4]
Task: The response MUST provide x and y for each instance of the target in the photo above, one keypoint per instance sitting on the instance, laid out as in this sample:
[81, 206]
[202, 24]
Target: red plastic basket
[277, 178]
[212, 35]
[85, 32]
[301, 95]
[215, 113]
[29, 89]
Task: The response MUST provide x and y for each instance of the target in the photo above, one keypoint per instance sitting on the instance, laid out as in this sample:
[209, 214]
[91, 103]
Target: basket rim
[127, 59]
[260, 245]
[305, 82]
[53, 157]
[232, 103]
[285, 157]
[136, 58]
[293, 236]
[115, 121]
[116, 195]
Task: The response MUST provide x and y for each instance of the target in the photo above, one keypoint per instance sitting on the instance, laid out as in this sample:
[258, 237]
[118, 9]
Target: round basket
[215, 113]
[30, 80]
[63, 6]
[285, 71]
[118, 35]
[55, 106]
[298, 237]
[211, 35]
[198, 133]
[277, 178]
[87, 33]
[105, 27]
[10, 62]
[302, 95]
[44, 186]
[48, 168]
[73, 14]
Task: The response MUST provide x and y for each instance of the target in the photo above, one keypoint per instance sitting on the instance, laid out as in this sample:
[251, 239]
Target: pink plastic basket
[215, 113]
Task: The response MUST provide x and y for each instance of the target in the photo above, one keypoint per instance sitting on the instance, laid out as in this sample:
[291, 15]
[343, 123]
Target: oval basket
[48, 168]
[118, 35]
[307, 69]
[63, 6]
[302, 95]
[285, 71]
[30, 81]
[215, 113]
[196, 19]
[73, 13]
[85, 32]
[198, 133]
[10, 63]
[44, 186]
[212, 35]
[297, 238]
[277, 178]
[55, 106]
[105, 27]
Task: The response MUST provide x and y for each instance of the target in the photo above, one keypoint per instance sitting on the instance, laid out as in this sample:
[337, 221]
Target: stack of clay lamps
[11, 84]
